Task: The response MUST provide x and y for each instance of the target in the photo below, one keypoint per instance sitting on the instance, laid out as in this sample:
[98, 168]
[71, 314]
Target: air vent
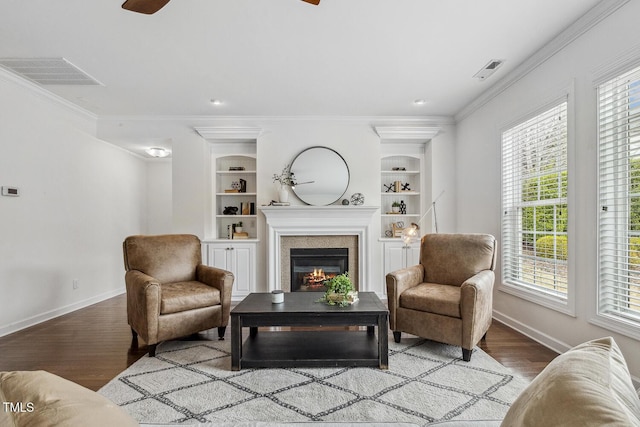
[48, 71]
[488, 69]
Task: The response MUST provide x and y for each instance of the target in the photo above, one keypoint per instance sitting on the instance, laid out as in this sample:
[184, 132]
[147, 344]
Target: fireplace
[314, 249]
[330, 226]
[310, 267]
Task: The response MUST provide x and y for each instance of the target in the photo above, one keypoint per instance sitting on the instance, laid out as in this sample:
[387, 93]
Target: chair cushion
[588, 385]
[433, 298]
[182, 296]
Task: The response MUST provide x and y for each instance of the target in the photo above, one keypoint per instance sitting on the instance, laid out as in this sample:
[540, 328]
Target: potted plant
[340, 291]
[395, 207]
[239, 227]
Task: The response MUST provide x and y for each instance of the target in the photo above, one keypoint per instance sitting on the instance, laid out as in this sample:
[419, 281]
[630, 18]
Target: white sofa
[587, 386]
[39, 398]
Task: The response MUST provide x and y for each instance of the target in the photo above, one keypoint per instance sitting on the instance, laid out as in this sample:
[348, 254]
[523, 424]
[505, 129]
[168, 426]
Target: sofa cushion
[182, 296]
[589, 385]
[433, 298]
[43, 399]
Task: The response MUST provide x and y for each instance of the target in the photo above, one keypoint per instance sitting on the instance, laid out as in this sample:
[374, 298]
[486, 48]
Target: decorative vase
[283, 194]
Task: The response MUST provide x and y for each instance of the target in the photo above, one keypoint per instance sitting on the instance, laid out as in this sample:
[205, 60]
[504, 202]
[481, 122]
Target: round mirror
[321, 176]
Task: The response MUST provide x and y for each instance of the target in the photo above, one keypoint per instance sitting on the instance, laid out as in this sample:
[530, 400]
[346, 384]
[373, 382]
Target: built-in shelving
[400, 182]
[235, 187]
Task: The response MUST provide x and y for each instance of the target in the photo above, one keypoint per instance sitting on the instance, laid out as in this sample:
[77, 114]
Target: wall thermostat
[10, 191]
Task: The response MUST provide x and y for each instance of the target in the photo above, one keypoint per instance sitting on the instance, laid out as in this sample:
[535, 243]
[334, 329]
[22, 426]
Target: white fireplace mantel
[318, 221]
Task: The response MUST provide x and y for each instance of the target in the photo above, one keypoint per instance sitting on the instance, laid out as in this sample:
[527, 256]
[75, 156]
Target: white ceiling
[282, 57]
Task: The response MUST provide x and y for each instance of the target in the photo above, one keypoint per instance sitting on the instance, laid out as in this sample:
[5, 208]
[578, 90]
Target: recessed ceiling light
[216, 102]
[419, 102]
[157, 152]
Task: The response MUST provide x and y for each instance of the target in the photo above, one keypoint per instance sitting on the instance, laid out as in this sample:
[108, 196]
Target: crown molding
[10, 77]
[224, 133]
[616, 66]
[583, 24]
[407, 132]
[212, 121]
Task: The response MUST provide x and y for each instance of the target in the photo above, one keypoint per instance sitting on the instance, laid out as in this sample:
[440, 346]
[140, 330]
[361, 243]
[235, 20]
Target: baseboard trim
[541, 338]
[52, 314]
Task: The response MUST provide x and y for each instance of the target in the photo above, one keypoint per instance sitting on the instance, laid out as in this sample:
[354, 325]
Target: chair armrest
[476, 306]
[221, 280]
[144, 295]
[399, 281]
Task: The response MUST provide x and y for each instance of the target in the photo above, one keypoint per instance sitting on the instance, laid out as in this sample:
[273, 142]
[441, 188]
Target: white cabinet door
[219, 257]
[243, 266]
[412, 255]
[394, 257]
[397, 255]
[238, 258]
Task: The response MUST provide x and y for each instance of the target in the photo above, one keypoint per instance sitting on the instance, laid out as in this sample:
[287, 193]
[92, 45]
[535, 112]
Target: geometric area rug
[191, 382]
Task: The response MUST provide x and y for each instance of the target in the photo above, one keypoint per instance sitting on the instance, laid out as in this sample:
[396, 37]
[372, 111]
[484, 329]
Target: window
[534, 206]
[619, 198]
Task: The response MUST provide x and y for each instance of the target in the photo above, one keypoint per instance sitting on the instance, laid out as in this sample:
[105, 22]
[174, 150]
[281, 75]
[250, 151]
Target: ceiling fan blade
[144, 6]
[316, 2]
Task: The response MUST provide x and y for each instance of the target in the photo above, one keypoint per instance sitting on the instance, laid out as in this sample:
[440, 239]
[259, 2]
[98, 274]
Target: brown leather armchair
[170, 293]
[448, 297]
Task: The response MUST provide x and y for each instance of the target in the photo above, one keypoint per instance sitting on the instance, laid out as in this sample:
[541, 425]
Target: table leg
[253, 331]
[383, 341]
[371, 330]
[236, 342]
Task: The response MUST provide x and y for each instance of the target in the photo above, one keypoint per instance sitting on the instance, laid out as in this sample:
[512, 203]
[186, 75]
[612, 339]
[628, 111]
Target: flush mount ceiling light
[419, 102]
[149, 7]
[216, 102]
[157, 152]
[488, 69]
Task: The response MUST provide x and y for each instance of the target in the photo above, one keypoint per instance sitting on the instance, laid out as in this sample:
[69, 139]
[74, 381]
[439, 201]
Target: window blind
[619, 197]
[534, 201]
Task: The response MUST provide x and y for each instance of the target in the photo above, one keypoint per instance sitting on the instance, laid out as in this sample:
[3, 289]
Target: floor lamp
[412, 233]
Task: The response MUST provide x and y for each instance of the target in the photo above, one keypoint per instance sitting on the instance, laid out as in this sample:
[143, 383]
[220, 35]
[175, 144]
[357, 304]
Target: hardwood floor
[92, 345]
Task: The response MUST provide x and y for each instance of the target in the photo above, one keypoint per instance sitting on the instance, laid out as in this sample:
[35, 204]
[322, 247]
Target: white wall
[79, 198]
[357, 143]
[442, 178]
[159, 197]
[190, 184]
[478, 174]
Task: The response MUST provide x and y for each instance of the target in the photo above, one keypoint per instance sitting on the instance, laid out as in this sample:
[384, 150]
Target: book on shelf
[245, 208]
[240, 235]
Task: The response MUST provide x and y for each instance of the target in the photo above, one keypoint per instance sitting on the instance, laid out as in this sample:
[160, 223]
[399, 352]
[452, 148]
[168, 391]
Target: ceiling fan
[152, 6]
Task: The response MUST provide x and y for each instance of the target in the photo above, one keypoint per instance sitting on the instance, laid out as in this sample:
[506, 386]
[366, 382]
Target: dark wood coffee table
[309, 348]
